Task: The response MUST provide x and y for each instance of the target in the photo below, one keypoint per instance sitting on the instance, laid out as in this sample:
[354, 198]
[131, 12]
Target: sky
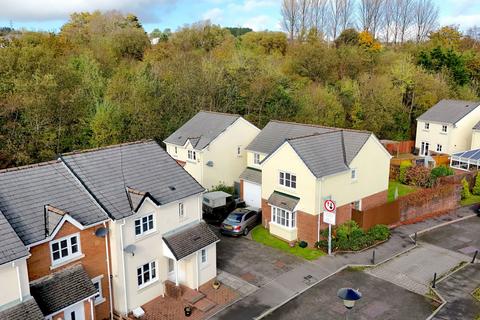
[50, 15]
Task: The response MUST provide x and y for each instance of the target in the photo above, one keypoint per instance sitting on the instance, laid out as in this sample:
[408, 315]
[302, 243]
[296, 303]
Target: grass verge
[402, 190]
[261, 235]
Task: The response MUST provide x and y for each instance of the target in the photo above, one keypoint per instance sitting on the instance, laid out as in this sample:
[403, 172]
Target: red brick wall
[241, 189]
[266, 213]
[375, 200]
[94, 261]
[307, 227]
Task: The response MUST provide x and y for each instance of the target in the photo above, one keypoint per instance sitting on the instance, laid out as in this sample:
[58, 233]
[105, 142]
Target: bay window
[283, 217]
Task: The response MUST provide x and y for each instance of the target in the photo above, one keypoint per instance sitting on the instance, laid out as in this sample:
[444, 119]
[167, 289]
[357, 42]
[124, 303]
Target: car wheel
[245, 231]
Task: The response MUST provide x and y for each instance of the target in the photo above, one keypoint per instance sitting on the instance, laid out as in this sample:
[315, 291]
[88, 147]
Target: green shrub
[402, 176]
[441, 171]
[419, 176]
[379, 232]
[224, 188]
[303, 244]
[465, 189]
[476, 187]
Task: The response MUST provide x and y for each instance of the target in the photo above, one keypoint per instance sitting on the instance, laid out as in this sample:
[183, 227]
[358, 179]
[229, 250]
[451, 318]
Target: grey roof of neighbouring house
[283, 200]
[26, 310]
[477, 126]
[449, 111]
[252, 175]
[202, 129]
[276, 132]
[62, 289]
[189, 239]
[11, 247]
[143, 166]
[25, 191]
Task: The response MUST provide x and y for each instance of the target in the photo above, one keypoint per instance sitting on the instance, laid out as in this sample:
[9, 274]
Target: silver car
[241, 221]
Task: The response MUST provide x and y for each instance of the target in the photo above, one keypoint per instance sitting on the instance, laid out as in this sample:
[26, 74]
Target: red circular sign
[329, 205]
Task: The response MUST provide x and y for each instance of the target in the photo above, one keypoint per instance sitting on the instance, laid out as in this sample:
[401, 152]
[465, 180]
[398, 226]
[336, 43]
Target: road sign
[330, 206]
[329, 217]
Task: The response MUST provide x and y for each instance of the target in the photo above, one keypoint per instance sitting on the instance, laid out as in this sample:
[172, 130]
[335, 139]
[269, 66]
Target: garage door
[252, 194]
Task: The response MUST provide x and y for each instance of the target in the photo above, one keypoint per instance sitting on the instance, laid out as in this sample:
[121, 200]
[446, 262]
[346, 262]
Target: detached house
[211, 147]
[447, 127]
[59, 255]
[293, 168]
[157, 237]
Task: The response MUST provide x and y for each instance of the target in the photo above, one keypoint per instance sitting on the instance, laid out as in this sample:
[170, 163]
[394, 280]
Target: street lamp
[349, 297]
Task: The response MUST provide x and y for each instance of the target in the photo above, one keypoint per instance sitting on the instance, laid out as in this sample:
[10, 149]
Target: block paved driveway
[252, 261]
[381, 300]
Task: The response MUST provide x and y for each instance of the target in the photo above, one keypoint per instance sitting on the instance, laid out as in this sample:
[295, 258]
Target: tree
[348, 37]
[371, 15]
[319, 17]
[476, 187]
[290, 14]
[268, 41]
[426, 18]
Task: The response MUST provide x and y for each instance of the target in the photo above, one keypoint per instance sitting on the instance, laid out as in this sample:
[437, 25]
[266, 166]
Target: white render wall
[9, 282]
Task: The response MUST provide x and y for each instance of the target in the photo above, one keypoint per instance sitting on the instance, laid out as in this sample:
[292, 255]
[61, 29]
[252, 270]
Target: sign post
[329, 216]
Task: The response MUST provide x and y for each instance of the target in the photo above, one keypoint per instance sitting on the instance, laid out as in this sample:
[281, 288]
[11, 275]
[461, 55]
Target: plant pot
[216, 284]
[188, 311]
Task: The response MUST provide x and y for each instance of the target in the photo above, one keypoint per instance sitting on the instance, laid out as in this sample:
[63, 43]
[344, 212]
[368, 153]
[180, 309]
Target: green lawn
[261, 235]
[402, 190]
[470, 200]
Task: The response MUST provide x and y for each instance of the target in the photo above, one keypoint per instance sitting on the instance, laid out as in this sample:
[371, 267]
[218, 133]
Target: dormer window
[256, 158]
[192, 155]
[427, 126]
[144, 225]
[65, 249]
[444, 128]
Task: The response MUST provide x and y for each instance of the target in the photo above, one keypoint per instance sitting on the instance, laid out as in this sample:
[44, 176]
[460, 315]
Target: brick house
[57, 220]
[293, 168]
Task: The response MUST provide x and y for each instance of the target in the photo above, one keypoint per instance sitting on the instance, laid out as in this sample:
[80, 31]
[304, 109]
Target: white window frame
[290, 180]
[148, 230]
[439, 147]
[152, 265]
[444, 126]
[239, 151]
[354, 204]
[99, 298]
[256, 158]
[203, 256]
[284, 218]
[181, 210]
[192, 155]
[176, 151]
[70, 255]
[427, 126]
[353, 174]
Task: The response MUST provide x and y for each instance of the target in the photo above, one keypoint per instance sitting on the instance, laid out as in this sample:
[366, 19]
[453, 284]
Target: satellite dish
[101, 232]
[130, 249]
[210, 163]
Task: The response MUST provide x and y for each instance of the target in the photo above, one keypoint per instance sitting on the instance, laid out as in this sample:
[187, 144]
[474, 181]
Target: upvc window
[283, 217]
[357, 205]
[144, 225]
[427, 125]
[239, 151]
[444, 128]
[97, 283]
[439, 148]
[203, 256]
[147, 274]
[65, 249]
[256, 158]
[176, 150]
[181, 210]
[353, 174]
[287, 179]
[192, 155]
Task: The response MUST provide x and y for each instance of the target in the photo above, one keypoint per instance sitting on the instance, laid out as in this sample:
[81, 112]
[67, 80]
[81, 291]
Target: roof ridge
[314, 134]
[107, 147]
[30, 166]
[320, 126]
[221, 113]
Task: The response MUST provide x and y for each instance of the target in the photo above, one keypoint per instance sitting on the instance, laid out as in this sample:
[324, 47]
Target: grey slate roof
[449, 111]
[11, 247]
[202, 129]
[26, 310]
[25, 191]
[142, 166]
[283, 200]
[189, 239]
[477, 126]
[252, 175]
[62, 289]
[276, 132]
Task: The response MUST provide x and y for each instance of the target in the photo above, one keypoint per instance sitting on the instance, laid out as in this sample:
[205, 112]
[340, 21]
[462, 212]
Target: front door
[424, 149]
[171, 270]
[75, 312]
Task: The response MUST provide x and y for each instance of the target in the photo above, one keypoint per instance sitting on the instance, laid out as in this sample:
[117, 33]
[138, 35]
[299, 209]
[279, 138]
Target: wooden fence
[397, 147]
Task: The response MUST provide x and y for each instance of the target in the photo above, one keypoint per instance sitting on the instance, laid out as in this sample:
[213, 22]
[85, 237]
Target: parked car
[241, 221]
[218, 204]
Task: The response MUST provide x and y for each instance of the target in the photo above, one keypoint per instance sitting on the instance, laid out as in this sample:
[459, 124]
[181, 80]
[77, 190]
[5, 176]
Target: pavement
[277, 287]
[457, 291]
[321, 301]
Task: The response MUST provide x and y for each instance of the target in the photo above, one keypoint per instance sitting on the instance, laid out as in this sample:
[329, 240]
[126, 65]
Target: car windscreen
[235, 217]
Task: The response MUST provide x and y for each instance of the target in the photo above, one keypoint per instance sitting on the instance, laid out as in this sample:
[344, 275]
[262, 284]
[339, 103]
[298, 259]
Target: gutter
[20, 293]
[123, 265]
[109, 273]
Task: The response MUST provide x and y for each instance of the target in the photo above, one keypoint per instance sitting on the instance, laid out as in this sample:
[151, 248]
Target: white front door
[171, 270]
[424, 149]
[75, 312]
[252, 194]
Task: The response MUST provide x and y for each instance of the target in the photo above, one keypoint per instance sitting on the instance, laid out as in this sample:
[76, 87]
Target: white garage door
[252, 194]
